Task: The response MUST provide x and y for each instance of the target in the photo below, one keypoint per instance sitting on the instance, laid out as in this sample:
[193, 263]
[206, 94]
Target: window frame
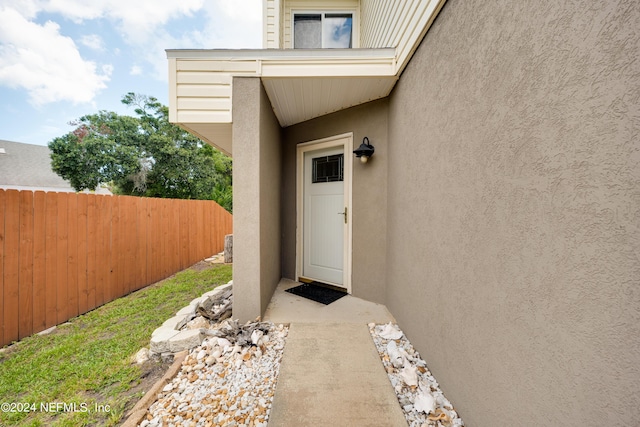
[355, 23]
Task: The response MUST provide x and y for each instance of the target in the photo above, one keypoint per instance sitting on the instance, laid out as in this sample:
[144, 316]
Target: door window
[327, 169]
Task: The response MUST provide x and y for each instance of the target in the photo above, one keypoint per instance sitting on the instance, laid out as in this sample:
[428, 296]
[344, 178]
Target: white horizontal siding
[204, 116]
[215, 91]
[396, 23]
[200, 77]
[204, 104]
[271, 24]
[377, 22]
[202, 89]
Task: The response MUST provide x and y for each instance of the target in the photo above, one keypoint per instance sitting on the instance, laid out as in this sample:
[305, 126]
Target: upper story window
[322, 30]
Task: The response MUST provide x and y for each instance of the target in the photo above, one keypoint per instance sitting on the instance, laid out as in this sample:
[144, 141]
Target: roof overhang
[300, 84]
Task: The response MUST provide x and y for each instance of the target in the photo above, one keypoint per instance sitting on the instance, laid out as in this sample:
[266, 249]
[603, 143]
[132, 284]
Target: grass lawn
[87, 361]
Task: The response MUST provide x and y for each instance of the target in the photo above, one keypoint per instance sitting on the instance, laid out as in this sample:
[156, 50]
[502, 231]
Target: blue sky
[62, 59]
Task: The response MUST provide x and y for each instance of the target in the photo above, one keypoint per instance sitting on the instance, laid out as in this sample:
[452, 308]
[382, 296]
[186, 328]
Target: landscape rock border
[168, 340]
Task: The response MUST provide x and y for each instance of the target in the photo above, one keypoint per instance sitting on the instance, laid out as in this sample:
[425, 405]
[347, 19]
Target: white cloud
[49, 66]
[92, 41]
[27, 8]
[247, 10]
[45, 63]
[136, 19]
[233, 24]
[227, 25]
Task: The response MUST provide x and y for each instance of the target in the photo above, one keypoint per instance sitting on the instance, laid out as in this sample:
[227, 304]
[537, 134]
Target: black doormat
[317, 292]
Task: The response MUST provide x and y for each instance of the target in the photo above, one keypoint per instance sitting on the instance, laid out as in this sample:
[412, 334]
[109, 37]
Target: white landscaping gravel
[222, 384]
[418, 392]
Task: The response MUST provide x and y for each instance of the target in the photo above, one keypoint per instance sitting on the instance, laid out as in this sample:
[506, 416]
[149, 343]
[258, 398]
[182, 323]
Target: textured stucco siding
[270, 200]
[369, 193]
[514, 210]
[256, 201]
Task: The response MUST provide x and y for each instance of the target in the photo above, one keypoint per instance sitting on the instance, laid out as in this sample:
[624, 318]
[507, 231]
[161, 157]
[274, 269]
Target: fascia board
[328, 68]
[380, 63]
[279, 54]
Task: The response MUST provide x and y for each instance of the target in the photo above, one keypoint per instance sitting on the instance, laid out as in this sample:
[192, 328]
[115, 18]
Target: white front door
[325, 211]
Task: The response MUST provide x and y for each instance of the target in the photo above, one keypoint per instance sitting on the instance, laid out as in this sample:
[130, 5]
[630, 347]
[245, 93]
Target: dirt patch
[208, 263]
[151, 372]
[200, 266]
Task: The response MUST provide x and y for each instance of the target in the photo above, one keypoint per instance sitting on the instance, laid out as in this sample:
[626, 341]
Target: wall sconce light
[364, 151]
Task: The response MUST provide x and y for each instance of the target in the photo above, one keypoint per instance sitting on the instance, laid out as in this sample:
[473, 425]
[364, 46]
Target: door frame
[346, 140]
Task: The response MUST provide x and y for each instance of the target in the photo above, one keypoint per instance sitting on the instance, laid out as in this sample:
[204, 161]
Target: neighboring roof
[28, 167]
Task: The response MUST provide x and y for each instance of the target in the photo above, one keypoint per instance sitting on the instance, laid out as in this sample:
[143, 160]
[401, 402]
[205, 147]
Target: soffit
[295, 100]
[311, 83]
[217, 134]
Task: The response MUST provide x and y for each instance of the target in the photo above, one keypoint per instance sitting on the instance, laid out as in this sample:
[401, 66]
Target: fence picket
[141, 238]
[2, 243]
[103, 241]
[164, 236]
[200, 226]
[131, 246]
[82, 253]
[92, 228]
[25, 278]
[51, 259]
[184, 233]
[39, 265]
[72, 255]
[11, 262]
[206, 233]
[154, 249]
[62, 293]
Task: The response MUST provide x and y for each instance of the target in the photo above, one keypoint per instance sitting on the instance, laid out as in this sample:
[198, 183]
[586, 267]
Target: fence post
[228, 248]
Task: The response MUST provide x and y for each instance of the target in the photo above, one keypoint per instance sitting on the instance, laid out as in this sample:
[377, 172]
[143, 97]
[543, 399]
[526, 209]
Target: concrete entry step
[331, 375]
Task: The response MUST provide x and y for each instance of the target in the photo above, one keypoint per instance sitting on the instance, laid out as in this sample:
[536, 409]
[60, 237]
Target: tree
[143, 155]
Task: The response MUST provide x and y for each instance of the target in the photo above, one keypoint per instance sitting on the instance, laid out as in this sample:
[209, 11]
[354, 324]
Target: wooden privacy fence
[63, 254]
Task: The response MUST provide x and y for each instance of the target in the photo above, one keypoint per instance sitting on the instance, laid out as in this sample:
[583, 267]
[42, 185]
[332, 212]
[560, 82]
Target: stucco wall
[256, 199]
[369, 193]
[514, 210]
[270, 198]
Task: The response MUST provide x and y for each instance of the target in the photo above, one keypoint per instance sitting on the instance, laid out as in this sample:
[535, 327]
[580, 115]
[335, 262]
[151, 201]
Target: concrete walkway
[331, 374]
